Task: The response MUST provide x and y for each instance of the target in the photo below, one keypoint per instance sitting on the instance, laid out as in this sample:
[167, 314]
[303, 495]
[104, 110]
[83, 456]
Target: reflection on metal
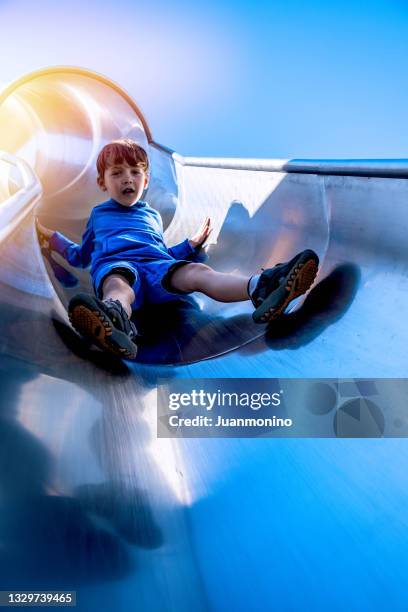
[83, 426]
[20, 192]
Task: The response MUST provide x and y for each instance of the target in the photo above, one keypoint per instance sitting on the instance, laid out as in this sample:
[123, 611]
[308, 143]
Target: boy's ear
[101, 183]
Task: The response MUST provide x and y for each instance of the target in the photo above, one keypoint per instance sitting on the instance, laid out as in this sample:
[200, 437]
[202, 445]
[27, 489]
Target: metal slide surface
[91, 499]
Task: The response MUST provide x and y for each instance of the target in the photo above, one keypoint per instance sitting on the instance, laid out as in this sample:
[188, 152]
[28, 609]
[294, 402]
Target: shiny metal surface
[90, 498]
[386, 168]
[20, 190]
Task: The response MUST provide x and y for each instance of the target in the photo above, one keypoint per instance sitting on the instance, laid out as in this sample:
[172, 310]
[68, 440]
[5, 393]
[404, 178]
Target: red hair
[120, 151]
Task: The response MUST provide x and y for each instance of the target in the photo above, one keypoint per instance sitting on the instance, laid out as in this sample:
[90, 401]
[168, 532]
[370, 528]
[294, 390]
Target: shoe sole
[92, 323]
[297, 282]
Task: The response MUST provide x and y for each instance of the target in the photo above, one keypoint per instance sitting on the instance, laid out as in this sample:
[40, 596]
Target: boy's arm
[78, 255]
[183, 250]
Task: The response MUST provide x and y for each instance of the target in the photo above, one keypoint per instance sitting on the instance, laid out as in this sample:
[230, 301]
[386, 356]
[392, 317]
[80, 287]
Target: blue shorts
[150, 280]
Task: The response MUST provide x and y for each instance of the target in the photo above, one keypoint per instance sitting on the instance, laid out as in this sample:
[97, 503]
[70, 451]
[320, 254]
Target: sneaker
[283, 283]
[105, 323]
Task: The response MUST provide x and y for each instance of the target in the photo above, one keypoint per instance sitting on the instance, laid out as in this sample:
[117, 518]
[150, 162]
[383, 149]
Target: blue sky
[264, 79]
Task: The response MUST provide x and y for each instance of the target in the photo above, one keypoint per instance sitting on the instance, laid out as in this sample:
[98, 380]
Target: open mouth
[128, 191]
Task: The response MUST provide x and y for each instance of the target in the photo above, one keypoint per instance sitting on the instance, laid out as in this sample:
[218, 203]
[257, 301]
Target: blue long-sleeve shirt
[120, 233]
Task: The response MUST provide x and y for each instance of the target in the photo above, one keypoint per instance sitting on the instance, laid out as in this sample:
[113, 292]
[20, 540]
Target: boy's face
[124, 183]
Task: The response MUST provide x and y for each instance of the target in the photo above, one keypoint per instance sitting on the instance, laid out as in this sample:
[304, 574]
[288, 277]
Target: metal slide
[90, 499]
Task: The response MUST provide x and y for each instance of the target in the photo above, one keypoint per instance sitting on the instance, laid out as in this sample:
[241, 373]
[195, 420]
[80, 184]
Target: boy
[130, 263]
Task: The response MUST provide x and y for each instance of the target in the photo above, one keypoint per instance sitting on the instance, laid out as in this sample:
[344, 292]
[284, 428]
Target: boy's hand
[201, 236]
[44, 234]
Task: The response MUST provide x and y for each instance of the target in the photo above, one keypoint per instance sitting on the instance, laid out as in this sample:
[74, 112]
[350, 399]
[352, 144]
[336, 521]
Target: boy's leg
[270, 292]
[116, 287]
[217, 285]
